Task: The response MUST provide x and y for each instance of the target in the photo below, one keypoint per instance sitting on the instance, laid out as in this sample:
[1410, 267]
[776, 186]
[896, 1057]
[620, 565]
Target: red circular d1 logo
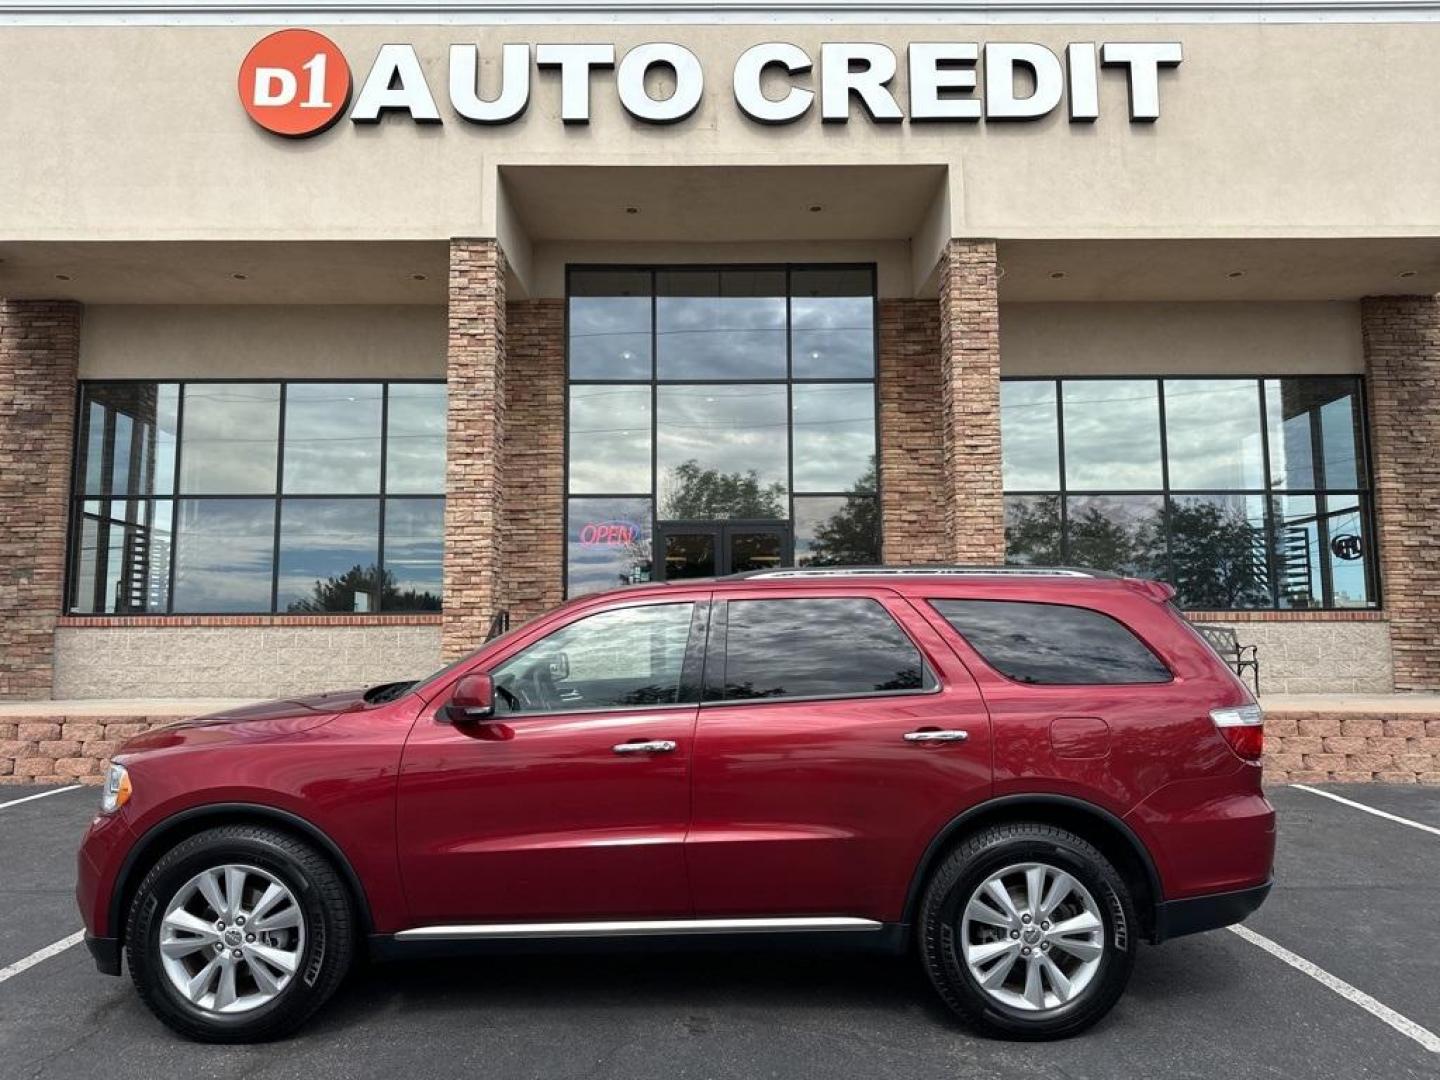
[295, 83]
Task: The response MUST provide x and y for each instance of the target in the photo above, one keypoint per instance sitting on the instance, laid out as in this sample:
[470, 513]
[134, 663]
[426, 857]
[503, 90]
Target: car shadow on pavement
[697, 983]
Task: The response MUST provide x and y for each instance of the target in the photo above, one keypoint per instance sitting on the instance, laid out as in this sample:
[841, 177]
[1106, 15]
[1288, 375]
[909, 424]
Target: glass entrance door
[716, 548]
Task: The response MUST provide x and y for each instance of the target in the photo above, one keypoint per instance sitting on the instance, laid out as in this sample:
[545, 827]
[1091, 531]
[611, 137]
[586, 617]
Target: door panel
[689, 552]
[534, 814]
[696, 549]
[824, 807]
[754, 547]
[539, 818]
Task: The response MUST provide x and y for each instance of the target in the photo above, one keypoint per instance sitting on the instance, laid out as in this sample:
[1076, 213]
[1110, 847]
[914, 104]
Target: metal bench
[1224, 641]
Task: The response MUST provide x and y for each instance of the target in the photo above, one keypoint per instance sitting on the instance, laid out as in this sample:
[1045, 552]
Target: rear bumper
[1176, 918]
[106, 951]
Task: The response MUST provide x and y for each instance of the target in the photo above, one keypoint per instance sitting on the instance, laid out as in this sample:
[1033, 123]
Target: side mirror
[473, 698]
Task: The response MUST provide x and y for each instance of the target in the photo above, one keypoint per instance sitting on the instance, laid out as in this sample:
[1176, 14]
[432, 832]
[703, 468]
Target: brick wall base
[1300, 747]
[50, 748]
[1319, 747]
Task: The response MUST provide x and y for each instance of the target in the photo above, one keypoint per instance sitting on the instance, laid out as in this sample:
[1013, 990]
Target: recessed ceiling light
[1403, 273]
[816, 208]
[1057, 274]
[62, 277]
[241, 277]
[1235, 274]
[632, 209]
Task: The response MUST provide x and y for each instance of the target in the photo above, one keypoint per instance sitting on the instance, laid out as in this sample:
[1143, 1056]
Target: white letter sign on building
[297, 82]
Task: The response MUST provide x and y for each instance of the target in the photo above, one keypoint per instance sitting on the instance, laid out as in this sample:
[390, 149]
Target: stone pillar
[39, 360]
[475, 426]
[912, 417]
[1402, 359]
[534, 475]
[974, 512]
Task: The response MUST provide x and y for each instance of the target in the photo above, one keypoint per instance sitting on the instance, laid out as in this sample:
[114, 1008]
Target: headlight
[117, 789]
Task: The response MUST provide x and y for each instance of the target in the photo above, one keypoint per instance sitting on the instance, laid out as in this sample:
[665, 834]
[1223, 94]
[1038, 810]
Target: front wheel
[1027, 932]
[239, 934]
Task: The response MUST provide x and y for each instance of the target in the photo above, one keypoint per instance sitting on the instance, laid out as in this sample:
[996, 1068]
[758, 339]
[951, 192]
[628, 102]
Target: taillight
[1244, 729]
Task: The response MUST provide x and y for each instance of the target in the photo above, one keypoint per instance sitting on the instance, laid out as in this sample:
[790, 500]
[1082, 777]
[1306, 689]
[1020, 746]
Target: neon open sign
[609, 533]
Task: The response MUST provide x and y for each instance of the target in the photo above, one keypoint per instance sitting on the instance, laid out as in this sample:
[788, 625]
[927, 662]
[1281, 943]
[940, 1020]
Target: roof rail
[922, 571]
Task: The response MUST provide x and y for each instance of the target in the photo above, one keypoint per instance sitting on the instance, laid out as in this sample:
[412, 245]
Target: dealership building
[333, 332]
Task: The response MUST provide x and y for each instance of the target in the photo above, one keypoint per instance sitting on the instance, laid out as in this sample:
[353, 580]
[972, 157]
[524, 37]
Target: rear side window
[1052, 644]
[816, 648]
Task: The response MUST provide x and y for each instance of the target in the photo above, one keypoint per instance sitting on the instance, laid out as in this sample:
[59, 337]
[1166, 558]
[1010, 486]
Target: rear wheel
[239, 934]
[1026, 931]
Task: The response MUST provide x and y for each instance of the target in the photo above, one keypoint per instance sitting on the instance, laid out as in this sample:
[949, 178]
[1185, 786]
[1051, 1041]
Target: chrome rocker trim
[633, 928]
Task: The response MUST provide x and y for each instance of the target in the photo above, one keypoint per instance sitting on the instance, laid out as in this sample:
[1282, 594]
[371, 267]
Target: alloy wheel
[1032, 937]
[232, 938]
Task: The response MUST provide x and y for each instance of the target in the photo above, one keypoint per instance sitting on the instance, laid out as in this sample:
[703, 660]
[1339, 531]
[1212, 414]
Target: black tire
[320, 895]
[966, 869]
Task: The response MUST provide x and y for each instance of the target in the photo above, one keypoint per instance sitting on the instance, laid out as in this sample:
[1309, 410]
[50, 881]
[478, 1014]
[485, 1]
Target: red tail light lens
[1244, 729]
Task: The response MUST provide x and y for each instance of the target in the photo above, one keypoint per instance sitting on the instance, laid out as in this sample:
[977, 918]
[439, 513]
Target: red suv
[1022, 773]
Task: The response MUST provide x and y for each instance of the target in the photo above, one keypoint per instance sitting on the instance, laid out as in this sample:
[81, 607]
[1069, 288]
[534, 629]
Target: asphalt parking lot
[1357, 895]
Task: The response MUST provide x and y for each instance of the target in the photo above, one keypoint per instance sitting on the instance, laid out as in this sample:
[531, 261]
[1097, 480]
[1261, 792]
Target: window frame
[689, 693]
[1363, 495]
[718, 645]
[990, 666]
[654, 382]
[77, 497]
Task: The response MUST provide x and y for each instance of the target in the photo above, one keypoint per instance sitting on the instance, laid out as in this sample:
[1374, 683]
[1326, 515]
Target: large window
[1052, 644]
[216, 497]
[625, 658]
[723, 393]
[815, 648]
[1241, 492]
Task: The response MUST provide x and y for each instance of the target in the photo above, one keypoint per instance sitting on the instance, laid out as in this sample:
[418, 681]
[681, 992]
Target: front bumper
[106, 951]
[1176, 918]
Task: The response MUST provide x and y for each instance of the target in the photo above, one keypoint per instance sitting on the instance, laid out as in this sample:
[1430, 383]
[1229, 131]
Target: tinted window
[816, 648]
[1052, 643]
[628, 656]
[720, 324]
[610, 324]
[332, 438]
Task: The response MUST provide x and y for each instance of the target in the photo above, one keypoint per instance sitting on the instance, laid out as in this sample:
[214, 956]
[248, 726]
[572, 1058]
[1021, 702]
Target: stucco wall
[237, 662]
[169, 341]
[1266, 129]
[1314, 338]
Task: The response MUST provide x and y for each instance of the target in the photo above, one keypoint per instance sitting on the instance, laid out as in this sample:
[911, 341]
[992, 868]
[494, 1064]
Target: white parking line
[41, 954]
[41, 795]
[1368, 809]
[1407, 1027]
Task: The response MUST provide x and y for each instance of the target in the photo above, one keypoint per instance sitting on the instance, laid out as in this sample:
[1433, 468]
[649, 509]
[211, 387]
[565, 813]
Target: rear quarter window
[1052, 644]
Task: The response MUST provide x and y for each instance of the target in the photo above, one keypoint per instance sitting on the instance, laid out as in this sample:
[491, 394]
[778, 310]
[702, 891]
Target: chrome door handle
[652, 746]
[951, 735]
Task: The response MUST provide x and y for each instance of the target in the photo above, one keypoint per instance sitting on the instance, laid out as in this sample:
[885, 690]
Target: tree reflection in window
[693, 493]
[1243, 493]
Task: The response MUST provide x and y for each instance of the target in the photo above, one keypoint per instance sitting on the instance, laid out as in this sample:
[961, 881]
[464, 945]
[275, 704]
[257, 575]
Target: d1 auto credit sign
[295, 83]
